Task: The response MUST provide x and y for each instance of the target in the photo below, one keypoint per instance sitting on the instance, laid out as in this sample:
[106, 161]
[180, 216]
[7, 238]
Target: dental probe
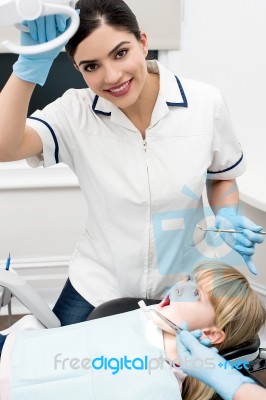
[147, 310]
[225, 230]
[8, 262]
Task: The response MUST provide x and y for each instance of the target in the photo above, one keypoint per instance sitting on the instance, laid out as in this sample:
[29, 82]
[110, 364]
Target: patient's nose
[185, 291]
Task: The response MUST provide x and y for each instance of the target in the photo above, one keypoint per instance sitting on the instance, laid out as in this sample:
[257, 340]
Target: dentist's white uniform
[144, 197]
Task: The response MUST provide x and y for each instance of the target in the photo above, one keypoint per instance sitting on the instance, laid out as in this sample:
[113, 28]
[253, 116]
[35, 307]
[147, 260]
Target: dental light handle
[29, 297]
[19, 10]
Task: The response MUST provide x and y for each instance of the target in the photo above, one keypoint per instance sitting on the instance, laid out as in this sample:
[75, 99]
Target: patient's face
[188, 301]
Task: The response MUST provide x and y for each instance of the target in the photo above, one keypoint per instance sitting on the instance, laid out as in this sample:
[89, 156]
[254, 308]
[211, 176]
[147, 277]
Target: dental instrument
[13, 12]
[147, 310]
[224, 230]
[8, 262]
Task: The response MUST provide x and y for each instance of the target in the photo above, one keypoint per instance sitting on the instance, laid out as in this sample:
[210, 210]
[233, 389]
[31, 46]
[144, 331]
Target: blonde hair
[238, 310]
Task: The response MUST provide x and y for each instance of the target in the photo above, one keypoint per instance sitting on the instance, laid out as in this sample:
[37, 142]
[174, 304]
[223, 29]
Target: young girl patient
[127, 355]
[227, 311]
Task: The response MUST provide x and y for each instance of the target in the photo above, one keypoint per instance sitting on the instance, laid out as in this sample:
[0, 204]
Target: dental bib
[54, 364]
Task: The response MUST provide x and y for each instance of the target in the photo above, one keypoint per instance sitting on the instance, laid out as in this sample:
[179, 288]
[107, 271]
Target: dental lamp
[14, 12]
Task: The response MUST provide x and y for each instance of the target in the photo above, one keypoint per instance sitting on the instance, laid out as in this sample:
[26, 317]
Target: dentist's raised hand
[35, 68]
[244, 241]
[212, 368]
[47, 28]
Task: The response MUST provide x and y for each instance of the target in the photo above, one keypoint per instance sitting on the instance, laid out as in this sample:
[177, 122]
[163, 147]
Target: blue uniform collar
[171, 91]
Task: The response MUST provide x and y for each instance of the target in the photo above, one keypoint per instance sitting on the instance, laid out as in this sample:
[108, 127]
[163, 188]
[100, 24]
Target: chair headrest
[242, 350]
[118, 306]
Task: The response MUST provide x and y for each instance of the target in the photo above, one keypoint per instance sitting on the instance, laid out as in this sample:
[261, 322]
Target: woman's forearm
[249, 391]
[14, 103]
[222, 194]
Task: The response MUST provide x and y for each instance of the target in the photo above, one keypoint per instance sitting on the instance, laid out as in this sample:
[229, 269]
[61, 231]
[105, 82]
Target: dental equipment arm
[13, 12]
[29, 297]
[217, 374]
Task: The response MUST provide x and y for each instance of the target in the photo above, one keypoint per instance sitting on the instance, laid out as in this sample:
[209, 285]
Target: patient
[216, 299]
[228, 312]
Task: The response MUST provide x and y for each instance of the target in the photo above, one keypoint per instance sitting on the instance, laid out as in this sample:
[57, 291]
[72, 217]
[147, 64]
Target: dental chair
[249, 352]
[5, 300]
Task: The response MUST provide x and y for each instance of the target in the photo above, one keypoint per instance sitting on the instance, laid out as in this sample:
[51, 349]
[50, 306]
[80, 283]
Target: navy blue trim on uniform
[184, 104]
[227, 169]
[56, 151]
[98, 111]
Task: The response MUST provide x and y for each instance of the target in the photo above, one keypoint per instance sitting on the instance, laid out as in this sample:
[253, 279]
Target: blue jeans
[2, 341]
[71, 307]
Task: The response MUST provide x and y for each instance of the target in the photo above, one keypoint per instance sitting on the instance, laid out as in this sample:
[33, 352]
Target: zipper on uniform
[149, 188]
[145, 144]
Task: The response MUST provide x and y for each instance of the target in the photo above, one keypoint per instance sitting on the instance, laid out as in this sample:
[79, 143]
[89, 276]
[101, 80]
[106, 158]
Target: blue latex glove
[212, 370]
[35, 68]
[197, 333]
[244, 242]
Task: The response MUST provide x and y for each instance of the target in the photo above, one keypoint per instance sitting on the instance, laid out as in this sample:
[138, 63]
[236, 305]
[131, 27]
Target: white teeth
[121, 88]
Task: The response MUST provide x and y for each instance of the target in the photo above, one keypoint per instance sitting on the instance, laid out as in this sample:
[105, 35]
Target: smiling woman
[118, 70]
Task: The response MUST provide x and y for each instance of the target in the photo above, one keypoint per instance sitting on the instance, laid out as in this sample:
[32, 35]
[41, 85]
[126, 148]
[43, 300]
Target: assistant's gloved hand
[212, 370]
[35, 68]
[244, 242]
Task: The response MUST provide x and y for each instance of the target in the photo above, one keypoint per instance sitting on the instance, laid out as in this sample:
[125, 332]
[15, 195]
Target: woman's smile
[120, 90]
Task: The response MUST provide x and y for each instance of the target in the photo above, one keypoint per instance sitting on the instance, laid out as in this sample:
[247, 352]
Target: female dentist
[229, 383]
[142, 143]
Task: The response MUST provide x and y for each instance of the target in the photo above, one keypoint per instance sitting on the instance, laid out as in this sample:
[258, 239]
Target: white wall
[42, 213]
[223, 43]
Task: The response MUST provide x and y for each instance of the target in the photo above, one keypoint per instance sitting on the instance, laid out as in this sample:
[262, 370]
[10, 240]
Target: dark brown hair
[94, 13]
